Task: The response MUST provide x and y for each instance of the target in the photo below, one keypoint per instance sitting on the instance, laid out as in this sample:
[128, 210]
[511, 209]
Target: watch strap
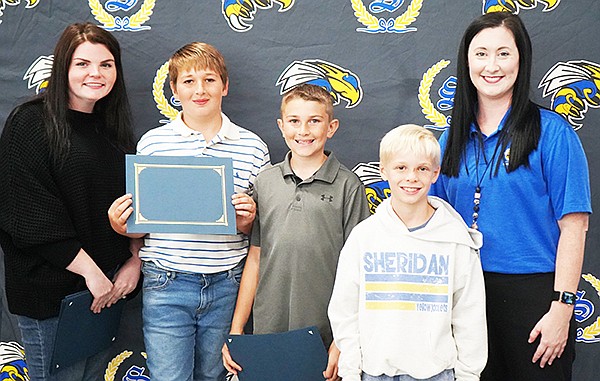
[565, 297]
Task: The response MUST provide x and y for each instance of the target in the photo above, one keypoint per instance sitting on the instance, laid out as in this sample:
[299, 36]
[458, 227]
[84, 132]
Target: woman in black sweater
[62, 165]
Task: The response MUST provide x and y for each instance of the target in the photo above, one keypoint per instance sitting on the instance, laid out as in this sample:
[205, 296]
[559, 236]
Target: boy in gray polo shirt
[306, 207]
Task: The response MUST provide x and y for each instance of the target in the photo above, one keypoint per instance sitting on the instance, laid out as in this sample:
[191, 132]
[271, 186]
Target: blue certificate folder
[297, 355]
[180, 194]
[82, 333]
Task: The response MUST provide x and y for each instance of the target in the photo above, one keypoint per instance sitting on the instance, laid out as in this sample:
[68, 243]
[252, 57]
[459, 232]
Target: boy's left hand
[331, 373]
[228, 363]
[245, 211]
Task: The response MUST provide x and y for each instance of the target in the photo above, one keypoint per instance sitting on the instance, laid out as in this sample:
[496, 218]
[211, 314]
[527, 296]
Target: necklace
[479, 149]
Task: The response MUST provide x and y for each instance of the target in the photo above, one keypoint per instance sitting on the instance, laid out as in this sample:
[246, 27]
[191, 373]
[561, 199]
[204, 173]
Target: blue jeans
[186, 320]
[38, 342]
[447, 375]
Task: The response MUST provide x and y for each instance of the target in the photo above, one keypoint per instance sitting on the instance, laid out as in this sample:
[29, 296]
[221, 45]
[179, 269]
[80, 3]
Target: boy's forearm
[245, 228]
[134, 235]
[135, 244]
[247, 291]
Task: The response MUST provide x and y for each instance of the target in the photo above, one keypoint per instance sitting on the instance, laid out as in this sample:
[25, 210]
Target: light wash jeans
[38, 342]
[447, 375]
[186, 320]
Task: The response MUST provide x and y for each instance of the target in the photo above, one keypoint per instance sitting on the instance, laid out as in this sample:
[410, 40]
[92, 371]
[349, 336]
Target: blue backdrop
[389, 62]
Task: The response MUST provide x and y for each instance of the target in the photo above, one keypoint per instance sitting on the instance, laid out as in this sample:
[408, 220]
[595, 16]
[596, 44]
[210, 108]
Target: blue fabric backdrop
[389, 62]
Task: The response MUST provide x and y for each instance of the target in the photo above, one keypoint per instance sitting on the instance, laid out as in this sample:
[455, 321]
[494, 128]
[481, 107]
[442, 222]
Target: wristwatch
[565, 297]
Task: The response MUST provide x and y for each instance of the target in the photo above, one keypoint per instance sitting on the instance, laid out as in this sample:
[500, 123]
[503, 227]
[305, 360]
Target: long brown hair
[114, 107]
[522, 126]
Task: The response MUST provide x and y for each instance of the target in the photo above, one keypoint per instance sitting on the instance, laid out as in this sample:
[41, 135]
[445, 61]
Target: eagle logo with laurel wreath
[14, 3]
[514, 6]
[341, 83]
[373, 24]
[574, 87]
[38, 73]
[376, 188]
[239, 13]
[13, 365]
[445, 102]
[125, 367]
[164, 105]
[114, 15]
[584, 311]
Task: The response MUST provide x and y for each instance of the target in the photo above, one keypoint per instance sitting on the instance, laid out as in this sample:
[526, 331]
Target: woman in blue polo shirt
[518, 173]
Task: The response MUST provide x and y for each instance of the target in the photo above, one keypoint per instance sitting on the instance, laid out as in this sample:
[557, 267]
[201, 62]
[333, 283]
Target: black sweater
[49, 212]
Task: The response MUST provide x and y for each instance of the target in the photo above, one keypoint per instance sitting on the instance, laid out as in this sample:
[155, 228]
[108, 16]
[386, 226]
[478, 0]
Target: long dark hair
[114, 107]
[522, 126]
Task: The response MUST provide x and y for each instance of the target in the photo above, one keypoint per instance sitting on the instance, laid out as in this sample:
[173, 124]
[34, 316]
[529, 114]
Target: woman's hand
[553, 328]
[98, 284]
[100, 287]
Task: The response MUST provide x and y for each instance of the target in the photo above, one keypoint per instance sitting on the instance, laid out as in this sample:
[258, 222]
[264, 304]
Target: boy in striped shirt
[191, 281]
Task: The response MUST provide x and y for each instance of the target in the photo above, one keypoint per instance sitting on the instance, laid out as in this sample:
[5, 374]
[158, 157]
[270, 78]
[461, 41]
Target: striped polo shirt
[195, 253]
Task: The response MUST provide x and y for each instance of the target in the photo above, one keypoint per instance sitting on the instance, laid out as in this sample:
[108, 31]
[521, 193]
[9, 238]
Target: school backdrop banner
[388, 62]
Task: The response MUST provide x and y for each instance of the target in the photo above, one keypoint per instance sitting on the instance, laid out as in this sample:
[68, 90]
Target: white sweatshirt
[410, 302]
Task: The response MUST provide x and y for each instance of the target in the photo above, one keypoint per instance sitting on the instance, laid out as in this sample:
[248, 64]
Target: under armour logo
[327, 197]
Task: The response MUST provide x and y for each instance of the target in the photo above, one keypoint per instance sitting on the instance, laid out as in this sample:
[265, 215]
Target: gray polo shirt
[301, 227]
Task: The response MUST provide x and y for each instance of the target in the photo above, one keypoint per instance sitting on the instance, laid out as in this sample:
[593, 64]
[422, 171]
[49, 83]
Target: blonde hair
[411, 139]
[198, 55]
[312, 93]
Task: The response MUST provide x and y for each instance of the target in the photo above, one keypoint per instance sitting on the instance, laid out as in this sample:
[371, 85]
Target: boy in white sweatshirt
[409, 299]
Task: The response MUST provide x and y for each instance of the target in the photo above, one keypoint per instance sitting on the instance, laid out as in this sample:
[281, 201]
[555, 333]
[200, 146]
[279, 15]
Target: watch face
[568, 297]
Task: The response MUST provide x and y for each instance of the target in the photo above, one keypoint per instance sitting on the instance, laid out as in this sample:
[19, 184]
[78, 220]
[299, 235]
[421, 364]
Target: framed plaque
[180, 194]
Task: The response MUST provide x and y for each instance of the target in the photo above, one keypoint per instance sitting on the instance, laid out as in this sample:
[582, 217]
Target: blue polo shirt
[519, 211]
